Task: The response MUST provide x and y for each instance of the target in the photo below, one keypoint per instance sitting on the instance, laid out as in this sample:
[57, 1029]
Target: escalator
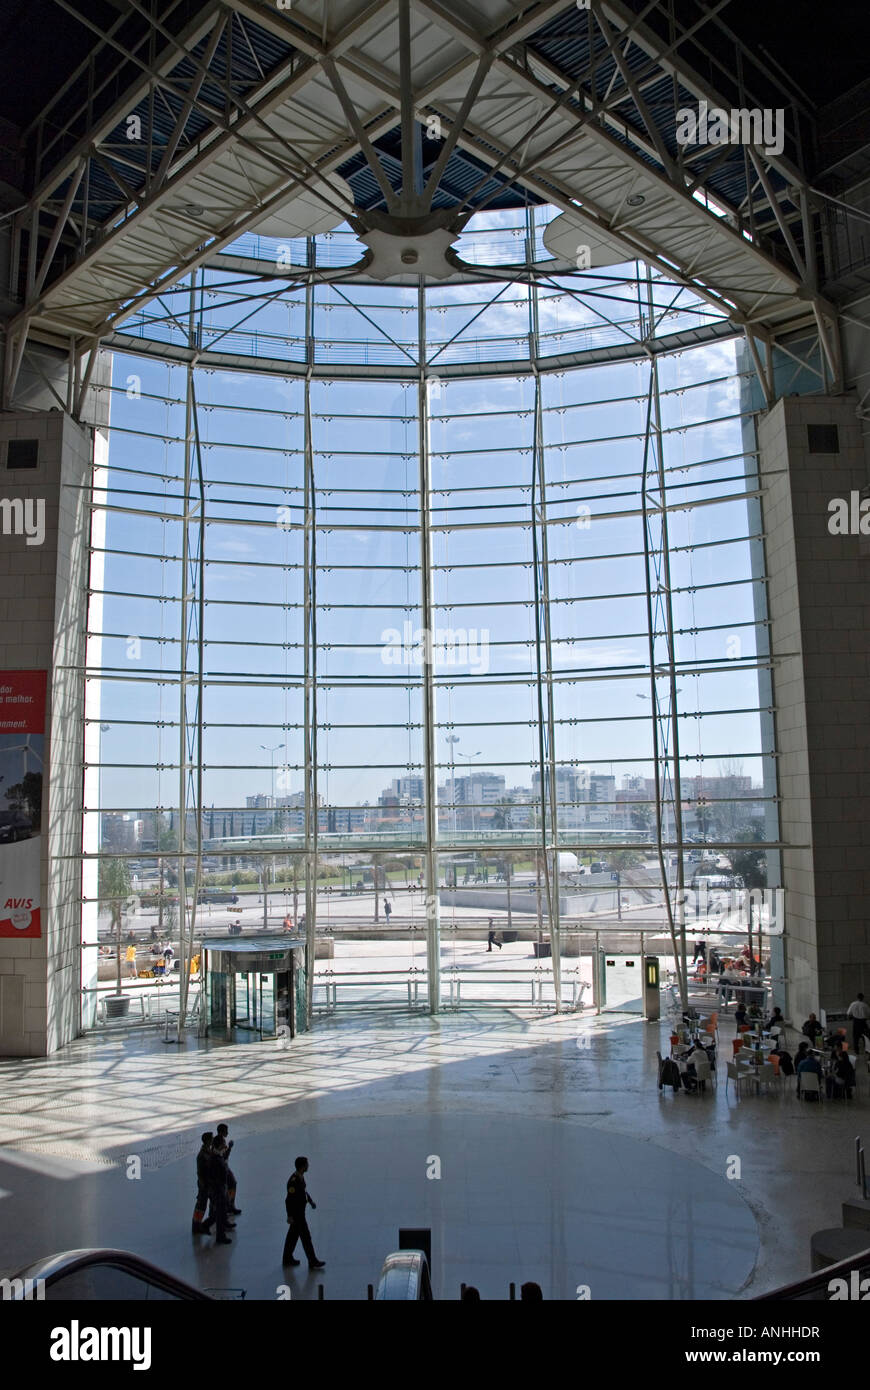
[88, 1276]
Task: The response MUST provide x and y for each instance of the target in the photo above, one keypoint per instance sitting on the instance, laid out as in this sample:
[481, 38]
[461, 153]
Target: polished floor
[559, 1159]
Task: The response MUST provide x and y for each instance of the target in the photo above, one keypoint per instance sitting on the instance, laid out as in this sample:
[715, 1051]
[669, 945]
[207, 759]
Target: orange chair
[737, 1044]
[774, 1061]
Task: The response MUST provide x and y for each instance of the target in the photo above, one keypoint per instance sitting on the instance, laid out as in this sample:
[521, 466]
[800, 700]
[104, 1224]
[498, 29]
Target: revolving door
[256, 992]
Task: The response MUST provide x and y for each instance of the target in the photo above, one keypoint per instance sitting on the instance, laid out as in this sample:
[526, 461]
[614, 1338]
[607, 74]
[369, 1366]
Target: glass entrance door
[254, 1008]
[266, 1001]
[244, 1013]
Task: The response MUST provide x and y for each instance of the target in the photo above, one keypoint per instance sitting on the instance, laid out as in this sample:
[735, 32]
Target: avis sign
[22, 753]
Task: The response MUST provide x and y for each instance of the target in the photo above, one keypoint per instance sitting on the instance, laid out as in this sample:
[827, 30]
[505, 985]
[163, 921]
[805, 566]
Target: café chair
[737, 1074]
[809, 1083]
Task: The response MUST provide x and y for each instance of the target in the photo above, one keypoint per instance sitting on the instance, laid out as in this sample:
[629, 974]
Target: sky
[365, 436]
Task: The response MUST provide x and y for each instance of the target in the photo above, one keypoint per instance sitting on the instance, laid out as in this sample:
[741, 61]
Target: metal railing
[532, 987]
[817, 1287]
[44, 1279]
[149, 1004]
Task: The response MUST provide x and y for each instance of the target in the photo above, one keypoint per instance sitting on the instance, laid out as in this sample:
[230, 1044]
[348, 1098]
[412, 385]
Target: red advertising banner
[22, 751]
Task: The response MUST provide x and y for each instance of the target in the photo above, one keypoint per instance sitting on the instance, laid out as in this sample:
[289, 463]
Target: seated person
[812, 1028]
[841, 1080]
[704, 1053]
[754, 1013]
[740, 1015]
[786, 1062]
[687, 1066]
[802, 1052]
[776, 1019]
[809, 1064]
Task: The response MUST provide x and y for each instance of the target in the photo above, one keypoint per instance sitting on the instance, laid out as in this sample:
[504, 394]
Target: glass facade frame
[424, 610]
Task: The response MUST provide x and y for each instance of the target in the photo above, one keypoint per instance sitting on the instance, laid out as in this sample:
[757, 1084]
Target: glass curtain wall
[399, 656]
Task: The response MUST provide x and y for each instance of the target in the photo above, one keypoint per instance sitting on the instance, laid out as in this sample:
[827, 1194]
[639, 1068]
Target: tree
[264, 871]
[750, 864]
[621, 860]
[505, 865]
[164, 839]
[642, 817]
[26, 796]
[114, 888]
[703, 819]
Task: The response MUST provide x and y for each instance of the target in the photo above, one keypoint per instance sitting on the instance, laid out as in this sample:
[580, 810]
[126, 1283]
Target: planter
[117, 1005]
[508, 936]
[542, 949]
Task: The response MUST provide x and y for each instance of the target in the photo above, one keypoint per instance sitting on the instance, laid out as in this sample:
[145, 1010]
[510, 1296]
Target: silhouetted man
[202, 1168]
[217, 1196]
[223, 1146]
[295, 1202]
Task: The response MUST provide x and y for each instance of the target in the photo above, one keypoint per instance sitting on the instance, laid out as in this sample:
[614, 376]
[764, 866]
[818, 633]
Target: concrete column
[819, 592]
[43, 607]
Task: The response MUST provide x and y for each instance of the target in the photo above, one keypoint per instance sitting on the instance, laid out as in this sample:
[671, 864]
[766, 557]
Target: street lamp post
[272, 752]
[469, 756]
[266, 868]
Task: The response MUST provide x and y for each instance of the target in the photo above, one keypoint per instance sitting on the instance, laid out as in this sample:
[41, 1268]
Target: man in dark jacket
[224, 1145]
[217, 1196]
[202, 1163]
[295, 1202]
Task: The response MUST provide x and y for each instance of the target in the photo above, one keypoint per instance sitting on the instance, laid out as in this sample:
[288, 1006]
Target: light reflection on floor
[560, 1159]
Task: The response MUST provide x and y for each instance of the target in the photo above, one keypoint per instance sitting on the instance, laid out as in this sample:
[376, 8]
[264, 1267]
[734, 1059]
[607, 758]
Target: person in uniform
[295, 1203]
[223, 1146]
[217, 1196]
[202, 1167]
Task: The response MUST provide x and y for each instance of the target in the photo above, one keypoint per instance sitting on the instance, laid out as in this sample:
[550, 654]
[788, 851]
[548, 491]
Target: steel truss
[226, 138]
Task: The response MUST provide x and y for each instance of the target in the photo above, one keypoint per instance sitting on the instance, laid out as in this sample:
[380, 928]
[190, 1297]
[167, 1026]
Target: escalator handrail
[52, 1268]
[405, 1278]
[819, 1280]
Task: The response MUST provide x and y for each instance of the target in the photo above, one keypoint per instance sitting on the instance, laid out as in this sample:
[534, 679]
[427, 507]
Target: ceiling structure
[187, 124]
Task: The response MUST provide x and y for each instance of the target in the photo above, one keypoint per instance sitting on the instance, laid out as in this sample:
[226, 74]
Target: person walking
[859, 1012]
[295, 1203]
[202, 1177]
[387, 910]
[492, 937]
[223, 1146]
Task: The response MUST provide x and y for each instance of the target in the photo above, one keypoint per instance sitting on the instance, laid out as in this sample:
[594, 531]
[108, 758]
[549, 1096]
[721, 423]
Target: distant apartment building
[121, 831]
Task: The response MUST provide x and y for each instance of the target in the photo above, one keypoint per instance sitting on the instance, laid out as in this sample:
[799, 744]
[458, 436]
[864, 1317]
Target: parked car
[14, 825]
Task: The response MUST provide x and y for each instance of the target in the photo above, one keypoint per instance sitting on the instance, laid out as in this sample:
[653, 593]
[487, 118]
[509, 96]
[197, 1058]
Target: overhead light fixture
[410, 256]
[635, 200]
[192, 209]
